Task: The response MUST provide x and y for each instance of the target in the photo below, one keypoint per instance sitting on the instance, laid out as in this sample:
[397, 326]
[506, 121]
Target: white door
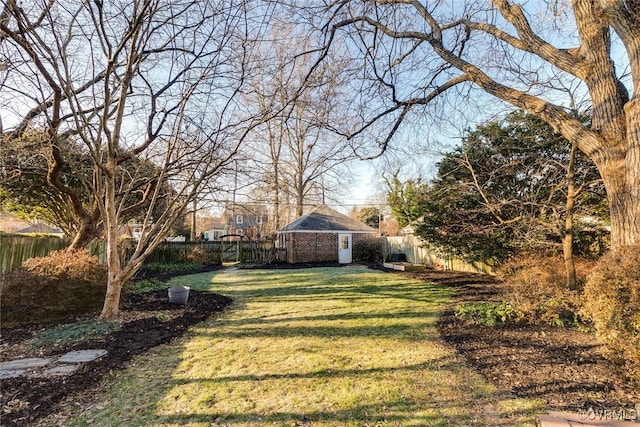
[344, 249]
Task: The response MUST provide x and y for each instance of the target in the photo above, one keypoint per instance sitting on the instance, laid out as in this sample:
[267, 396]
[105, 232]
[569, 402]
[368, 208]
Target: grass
[321, 347]
[145, 285]
[171, 267]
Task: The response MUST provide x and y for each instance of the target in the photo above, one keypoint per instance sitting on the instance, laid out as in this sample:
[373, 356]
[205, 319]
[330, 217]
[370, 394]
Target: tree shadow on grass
[390, 413]
[427, 409]
[399, 312]
[411, 318]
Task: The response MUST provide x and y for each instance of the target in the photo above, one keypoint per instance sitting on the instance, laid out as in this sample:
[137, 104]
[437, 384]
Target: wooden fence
[14, 250]
[416, 252]
[218, 252]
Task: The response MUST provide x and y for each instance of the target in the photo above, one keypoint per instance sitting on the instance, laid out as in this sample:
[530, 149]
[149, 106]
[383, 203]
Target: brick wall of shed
[312, 247]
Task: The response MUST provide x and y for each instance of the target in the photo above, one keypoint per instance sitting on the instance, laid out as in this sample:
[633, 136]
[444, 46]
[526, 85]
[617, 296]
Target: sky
[416, 149]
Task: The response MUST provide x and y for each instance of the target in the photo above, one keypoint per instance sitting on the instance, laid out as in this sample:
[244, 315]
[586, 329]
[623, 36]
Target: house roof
[40, 228]
[325, 219]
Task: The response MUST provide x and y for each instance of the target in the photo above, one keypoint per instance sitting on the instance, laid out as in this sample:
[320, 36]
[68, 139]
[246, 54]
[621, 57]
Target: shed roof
[325, 219]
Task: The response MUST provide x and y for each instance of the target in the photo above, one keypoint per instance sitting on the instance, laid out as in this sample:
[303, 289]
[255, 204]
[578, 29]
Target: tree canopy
[503, 190]
[25, 189]
[429, 59]
[408, 200]
[369, 215]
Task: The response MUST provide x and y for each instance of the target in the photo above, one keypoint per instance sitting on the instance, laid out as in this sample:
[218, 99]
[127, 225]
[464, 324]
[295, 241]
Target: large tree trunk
[112, 297]
[623, 191]
[193, 236]
[615, 114]
[625, 197]
[299, 197]
[276, 203]
[620, 170]
[567, 250]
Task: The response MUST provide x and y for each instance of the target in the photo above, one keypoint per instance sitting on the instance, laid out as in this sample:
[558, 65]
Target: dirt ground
[25, 400]
[562, 367]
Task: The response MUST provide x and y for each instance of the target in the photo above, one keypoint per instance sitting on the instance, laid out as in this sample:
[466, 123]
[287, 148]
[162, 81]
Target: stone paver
[82, 356]
[28, 363]
[11, 373]
[15, 368]
[564, 419]
[33, 366]
[57, 371]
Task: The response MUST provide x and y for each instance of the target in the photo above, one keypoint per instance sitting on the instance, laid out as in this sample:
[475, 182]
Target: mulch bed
[562, 367]
[24, 400]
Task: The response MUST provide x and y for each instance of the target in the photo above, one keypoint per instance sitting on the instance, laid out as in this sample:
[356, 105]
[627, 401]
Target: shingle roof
[323, 218]
[40, 228]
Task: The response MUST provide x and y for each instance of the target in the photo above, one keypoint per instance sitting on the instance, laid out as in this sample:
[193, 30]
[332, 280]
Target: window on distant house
[259, 219]
[239, 219]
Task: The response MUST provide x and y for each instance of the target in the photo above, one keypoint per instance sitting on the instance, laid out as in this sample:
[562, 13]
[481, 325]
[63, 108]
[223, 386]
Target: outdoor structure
[415, 251]
[132, 229]
[323, 235]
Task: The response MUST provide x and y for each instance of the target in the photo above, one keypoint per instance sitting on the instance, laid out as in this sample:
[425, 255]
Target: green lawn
[320, 347]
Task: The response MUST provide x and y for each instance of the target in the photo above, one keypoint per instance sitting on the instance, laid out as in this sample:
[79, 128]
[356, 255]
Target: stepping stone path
[58, 371]
[65, 365]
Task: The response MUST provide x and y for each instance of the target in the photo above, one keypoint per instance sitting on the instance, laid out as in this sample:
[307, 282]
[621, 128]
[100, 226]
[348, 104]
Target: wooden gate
[230, 251]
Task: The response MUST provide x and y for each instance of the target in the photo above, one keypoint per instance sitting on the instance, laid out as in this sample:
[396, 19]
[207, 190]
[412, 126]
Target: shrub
[171, 267]
[60, 285]
[536, 288]
[72, 265]
[612, 301]
[486, 313]
[368, 250]
[198, 255]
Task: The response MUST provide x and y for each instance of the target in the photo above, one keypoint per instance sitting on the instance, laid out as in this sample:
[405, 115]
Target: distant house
[132, 230]
[323, 235]
[217, 230]
[247, 220]
[10, 222]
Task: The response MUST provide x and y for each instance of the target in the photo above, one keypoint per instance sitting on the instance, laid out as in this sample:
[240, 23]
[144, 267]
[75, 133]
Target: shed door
[344, 249]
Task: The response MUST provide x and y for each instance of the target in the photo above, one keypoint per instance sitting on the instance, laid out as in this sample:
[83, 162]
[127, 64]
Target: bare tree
[148, 79]
[297, 152]
[415, 53]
